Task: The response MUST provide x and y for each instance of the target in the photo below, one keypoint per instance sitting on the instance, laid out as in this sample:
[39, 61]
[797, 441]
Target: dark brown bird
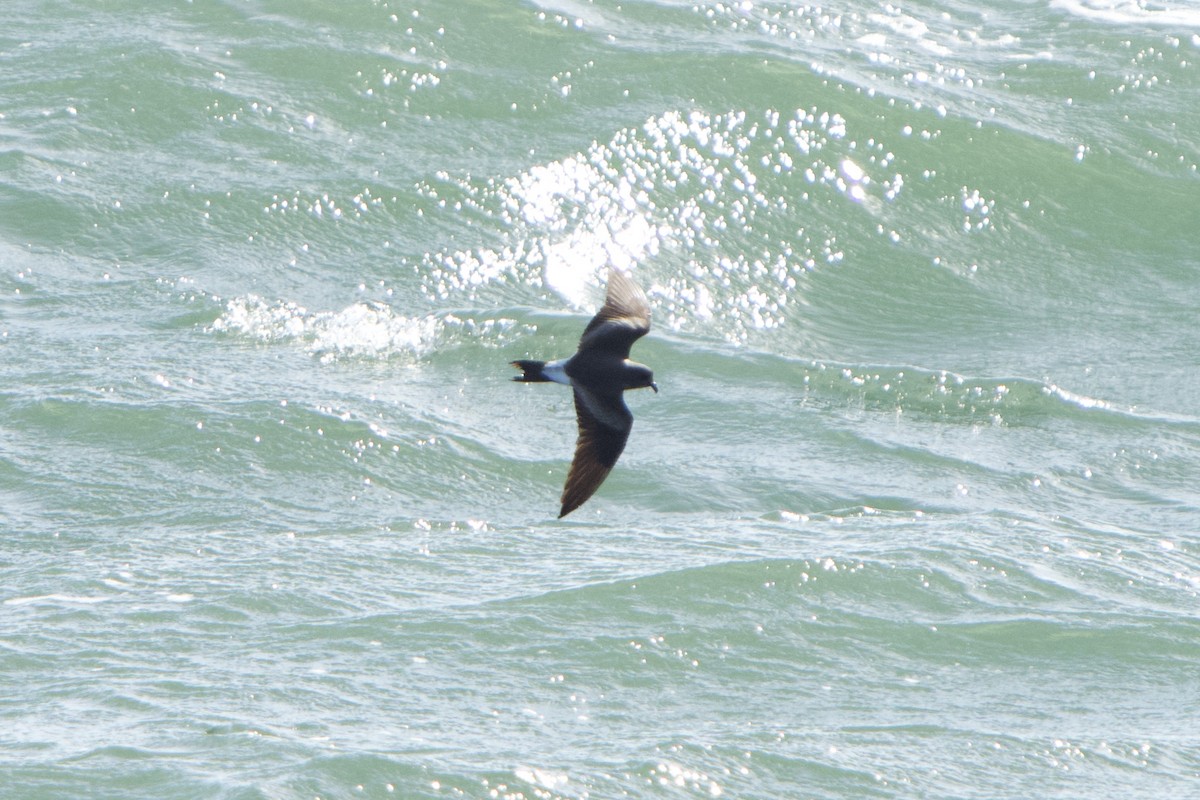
[600, 372]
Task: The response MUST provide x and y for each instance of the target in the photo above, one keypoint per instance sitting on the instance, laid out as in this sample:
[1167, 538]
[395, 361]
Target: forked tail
[532, 371]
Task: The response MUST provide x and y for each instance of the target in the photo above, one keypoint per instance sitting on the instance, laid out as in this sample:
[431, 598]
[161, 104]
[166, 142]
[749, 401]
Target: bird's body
[599, 373]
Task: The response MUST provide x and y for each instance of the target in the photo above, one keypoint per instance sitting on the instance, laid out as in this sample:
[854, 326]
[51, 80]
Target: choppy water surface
[915, 514]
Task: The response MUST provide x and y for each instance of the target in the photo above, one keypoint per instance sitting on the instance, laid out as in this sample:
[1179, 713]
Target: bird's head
[639, 376]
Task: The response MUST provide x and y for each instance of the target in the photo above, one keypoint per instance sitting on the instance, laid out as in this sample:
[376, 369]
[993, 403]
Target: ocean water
[915, 514]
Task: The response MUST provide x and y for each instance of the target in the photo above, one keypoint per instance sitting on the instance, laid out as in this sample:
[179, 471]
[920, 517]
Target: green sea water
[915, 514]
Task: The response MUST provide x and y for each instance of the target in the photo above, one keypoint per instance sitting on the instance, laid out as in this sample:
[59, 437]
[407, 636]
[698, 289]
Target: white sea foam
[362, 329]
[1132, 12]
[54, 599]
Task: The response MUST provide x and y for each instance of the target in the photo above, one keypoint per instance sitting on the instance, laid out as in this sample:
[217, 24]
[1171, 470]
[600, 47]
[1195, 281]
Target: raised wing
[624, 318]
[604, 425]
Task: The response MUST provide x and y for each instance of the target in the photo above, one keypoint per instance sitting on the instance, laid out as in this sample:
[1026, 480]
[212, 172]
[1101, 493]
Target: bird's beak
[654, 386]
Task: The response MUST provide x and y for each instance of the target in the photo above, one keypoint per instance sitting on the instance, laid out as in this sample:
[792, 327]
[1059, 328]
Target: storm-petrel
[599, 372]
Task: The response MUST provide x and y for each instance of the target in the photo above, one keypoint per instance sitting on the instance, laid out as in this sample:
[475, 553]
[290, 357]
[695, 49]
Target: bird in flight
[599, 372]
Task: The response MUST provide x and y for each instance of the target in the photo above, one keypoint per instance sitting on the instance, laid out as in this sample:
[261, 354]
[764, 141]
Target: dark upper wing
[623, 320]
[604, 425]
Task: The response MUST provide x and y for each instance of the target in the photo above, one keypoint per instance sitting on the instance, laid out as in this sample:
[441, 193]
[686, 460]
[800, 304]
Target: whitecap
[1131, 12]
[552, 780]
[1080, 400]
[361, 329]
